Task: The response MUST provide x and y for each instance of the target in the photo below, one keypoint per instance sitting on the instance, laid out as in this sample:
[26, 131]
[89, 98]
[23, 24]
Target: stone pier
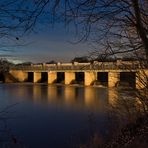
[89, 78]
[36, 77]
[19, 75]
[52, 77]
[113, 78]
[69, 77]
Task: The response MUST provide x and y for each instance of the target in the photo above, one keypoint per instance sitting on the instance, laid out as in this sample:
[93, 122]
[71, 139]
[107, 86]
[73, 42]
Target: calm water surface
[54, 116]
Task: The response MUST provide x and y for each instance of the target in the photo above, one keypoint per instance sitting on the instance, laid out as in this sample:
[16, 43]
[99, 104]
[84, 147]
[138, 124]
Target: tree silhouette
[116, 26]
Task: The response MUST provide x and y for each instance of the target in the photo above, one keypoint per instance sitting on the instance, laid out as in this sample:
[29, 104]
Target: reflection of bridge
[99, 72]
[77, 98]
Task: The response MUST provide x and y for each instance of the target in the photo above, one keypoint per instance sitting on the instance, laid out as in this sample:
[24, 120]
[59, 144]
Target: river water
[54, 116]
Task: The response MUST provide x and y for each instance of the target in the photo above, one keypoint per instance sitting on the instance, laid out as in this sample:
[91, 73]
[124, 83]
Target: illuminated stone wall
[90, 77]
[52, 77]
[69, 77]
[113, 78]
[19, 75]
[36, 77]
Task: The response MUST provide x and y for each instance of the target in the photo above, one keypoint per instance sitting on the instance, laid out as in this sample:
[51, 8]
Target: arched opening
[102, 78]
[44, 77]
[2, 78]
[30, 77]
[79, 77]
[127, 79]
[60, 77]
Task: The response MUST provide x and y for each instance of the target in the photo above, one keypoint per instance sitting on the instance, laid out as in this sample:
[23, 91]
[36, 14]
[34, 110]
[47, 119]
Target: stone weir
[111, 74]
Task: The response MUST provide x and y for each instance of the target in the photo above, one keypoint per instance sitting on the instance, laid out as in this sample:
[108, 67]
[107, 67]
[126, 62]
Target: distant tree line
[4, 68]
[85, 59]
[5, 65]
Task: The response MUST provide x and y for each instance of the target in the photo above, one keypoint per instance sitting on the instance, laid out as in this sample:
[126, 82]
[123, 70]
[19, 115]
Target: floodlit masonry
[96, 73]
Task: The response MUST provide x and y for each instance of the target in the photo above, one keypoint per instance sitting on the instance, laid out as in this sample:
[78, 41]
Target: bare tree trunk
[139, 26]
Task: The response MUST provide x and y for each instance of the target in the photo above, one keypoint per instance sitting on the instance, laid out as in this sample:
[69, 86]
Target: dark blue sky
[48, 43]
[52, 44]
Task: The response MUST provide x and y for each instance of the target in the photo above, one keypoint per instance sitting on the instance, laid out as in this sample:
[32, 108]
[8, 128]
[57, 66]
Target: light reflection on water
[92, 98]
[54, 113]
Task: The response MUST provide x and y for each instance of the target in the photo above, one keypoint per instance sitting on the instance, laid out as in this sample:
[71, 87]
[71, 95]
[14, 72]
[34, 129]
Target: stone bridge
[109, 73]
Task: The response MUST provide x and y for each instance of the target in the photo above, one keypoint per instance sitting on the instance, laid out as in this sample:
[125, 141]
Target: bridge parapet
[80, 66]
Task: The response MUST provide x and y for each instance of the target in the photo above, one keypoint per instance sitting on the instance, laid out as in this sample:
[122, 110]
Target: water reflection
[74, 97]
[51, 94]
[70, 95]
[92, 98]
[37, 93]
[57, 112]
[113, 97]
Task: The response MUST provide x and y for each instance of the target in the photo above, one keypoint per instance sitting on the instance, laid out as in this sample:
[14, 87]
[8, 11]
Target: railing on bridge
[80, 66]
